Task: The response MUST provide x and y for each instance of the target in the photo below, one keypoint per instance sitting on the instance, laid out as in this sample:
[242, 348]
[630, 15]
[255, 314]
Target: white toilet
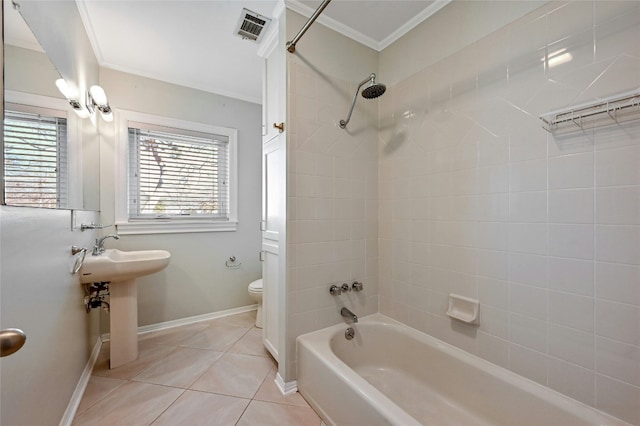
[255, 291]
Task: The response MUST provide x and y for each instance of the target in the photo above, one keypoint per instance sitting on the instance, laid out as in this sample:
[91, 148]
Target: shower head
[372, 91]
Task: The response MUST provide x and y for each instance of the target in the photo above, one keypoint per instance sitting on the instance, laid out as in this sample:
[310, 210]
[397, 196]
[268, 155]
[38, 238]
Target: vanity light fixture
[72, 96]
[97, 100]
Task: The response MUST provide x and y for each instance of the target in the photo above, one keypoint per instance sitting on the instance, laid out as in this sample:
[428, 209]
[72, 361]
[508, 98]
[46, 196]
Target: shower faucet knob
[335, 290]
[357, 286]
[345, 287]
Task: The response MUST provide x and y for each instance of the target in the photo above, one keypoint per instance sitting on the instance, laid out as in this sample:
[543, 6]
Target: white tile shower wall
[332, 201]
[477, 199]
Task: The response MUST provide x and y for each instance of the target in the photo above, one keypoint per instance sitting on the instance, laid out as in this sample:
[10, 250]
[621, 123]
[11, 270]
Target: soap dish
[464, 309]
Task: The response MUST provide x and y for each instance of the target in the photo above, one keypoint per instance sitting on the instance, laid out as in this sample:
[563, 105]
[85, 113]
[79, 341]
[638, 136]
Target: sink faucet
[98, 248]
[349, 315]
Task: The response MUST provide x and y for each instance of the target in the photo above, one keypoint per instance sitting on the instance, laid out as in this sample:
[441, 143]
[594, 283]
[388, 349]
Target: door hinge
[262, 256]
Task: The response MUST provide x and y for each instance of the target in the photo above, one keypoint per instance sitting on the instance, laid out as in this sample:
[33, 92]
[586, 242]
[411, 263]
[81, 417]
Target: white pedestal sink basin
[121, 268]
[115, 265]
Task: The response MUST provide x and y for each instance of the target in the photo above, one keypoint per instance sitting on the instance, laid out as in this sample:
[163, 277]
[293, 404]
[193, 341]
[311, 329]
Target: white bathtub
[390, 374]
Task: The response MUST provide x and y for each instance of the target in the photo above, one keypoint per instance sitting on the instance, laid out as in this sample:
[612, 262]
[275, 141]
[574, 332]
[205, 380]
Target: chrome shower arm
[343, 123]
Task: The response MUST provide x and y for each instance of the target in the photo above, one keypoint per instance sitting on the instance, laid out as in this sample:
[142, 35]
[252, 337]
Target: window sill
[173, 227]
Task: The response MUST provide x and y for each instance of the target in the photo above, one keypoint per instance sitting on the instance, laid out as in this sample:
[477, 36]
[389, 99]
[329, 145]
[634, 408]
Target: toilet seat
[256, 286]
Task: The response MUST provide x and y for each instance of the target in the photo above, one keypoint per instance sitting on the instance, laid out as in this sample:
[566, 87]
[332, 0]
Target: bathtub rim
[319, 343]
[364, 389]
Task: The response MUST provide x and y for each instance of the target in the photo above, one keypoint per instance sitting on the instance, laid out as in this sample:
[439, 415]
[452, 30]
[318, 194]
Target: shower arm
[343, 123]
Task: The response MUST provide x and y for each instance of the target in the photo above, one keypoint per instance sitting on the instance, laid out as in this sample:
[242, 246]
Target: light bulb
[82, 112]
[107, 117]
[64, 88]
[98, 95]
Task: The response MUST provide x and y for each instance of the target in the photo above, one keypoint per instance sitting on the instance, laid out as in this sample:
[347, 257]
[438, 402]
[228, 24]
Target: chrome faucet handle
[75, 250]
[98, 248]
[357, 286]
[345, 287]
[79, 260]
[335, 290]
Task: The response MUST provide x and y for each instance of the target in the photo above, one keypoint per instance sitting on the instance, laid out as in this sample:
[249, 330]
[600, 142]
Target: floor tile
[269, 392]
[219, 337]
[133, 404]
[173, 336]
[267, 413]
[250, 344]
[245, 319]
[200, 408]
[97, 388]
[147, 355]
[180, 368]
[235, 374]
[224, 363]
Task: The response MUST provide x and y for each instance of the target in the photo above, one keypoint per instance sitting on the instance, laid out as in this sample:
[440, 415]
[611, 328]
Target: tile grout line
[131, 380]
[229, 350]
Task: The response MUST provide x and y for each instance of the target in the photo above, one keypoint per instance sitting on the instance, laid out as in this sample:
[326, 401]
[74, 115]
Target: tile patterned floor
[210, 373]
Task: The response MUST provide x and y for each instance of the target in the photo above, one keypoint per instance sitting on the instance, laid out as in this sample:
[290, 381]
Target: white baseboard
[286, 388]
[189, 320]
[78, 393]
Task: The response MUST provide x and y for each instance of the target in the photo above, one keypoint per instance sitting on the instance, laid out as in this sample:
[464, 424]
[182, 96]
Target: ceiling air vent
[252, 25]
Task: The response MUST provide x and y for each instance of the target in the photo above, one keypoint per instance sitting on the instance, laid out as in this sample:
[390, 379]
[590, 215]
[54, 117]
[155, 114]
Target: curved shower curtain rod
[291, 45]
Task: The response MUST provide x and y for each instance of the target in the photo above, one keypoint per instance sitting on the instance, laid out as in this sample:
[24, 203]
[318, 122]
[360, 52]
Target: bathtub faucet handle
[357, 286]
[335, 290]
[345, 288]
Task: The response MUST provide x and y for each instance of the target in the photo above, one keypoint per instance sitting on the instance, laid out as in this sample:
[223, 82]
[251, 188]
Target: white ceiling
[192, 42]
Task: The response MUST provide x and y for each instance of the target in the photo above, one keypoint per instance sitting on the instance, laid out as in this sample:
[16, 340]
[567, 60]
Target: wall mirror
[52, 150]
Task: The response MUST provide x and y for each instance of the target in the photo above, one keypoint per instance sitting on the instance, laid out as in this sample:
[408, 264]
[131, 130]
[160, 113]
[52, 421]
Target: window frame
[126, 225]
[32, 103]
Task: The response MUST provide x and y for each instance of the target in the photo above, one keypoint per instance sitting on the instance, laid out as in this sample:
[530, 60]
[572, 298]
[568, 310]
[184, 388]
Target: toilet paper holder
[232, 263]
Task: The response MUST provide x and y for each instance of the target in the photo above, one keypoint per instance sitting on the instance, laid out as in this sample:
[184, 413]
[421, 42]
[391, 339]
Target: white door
[274, 204]
[273, 178]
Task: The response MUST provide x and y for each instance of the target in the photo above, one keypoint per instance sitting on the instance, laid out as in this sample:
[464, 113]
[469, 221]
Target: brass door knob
[11, 340]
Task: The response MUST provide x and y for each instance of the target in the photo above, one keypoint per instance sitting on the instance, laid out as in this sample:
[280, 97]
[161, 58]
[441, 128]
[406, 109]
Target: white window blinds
[35, 155]
[178, 175]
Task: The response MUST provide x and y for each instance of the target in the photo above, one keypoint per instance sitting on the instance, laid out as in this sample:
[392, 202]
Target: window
[174, 175]
[35, 157]
[180, 176]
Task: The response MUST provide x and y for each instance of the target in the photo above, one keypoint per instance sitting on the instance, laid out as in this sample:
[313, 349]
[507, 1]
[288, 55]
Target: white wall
[196, 280]
[38, 293]
[30, 72]
[59, 29]
[459, 24]
[41, 297]
[332, 181]
[477, 199]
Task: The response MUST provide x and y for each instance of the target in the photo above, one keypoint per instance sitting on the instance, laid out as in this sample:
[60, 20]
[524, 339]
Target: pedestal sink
[121, 268]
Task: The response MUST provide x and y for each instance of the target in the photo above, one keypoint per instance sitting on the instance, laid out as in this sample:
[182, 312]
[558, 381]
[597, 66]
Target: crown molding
[412, 23]
[88, 28]
[270, 41]
[278, 10]
[378, 46]
[331, 23]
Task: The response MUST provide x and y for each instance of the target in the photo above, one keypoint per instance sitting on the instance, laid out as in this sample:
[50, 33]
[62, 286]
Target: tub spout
[349, 315]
